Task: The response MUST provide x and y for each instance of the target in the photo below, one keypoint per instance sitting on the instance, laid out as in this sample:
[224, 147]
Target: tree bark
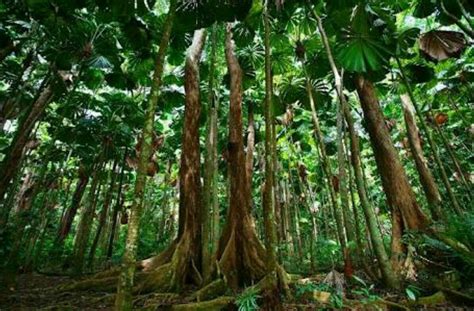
[117, 208]
[85, 224]
[426, 178]
[400, 195]
[249, 158]
[389, 277]
[103, 214]
[14, 154]
[210, 194]
[240, 254]
[270, 156]
[326, 167]
[431, 141]
[67, 220]
[190, 170]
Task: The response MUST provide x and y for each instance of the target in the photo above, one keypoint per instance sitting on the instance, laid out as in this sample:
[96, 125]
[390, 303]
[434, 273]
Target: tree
[124, 291]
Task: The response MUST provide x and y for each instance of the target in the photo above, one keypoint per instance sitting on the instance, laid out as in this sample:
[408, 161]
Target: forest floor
[36, 292]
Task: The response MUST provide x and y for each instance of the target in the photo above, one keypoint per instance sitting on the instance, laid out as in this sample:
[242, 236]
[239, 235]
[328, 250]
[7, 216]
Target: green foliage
[412, 292]
[247, 300]
[365, 291]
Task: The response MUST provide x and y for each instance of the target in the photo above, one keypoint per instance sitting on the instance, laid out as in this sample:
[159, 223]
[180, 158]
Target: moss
[211, 305]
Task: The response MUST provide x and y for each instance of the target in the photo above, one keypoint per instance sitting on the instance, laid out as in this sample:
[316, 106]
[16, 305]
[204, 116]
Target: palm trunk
[189, 247]
[326, 167]
[68, 218]
[13, 98]
[210, 195]
[124, 291]
[250, 143]
[269, 194]
[431, 142]
[240, 253]
[14, 155]
[400, 195]
[454, 159]
[388, 275]
[426, 178]
[103, 214]
[85, 224]
[117, 208]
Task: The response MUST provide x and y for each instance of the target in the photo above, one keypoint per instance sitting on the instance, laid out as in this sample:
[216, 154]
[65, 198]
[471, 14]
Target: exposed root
[102, 284]
[157, 281]
[211, 305]
[155, 300]
[151, 264]
[210, 291]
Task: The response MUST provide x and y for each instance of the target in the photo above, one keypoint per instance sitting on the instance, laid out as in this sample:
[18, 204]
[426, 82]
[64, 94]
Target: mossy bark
[124, 292]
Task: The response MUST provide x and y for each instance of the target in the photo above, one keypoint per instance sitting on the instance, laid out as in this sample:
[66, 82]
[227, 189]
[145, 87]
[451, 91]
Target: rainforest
[236, 155]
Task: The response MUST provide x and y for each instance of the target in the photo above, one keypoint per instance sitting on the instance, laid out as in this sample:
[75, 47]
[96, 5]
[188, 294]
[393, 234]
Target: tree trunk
[210, 194]
[326, 167]
[240, 253]
[426, 178]
[431, 142]
[117, 208]
[124, 291]
[400, 195]
[249, 158]
[388, 275]
[270, 155]
[14, 154]
[103, 214]
[67, 220]
[7, 105]
[454, 159]
[85, 224]
[27, 194]
[180, 264]
[189, 247]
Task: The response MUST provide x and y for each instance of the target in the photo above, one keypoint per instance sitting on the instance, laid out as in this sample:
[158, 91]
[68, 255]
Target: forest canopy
[236, 154]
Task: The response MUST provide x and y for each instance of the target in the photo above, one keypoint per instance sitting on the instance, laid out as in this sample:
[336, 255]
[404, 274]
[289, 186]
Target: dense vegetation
[220, 154]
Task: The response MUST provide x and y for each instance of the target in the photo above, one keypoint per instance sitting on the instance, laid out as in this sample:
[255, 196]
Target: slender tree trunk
[13, 98]
[431, 142]
[388, 275]
[87, 217]
[250, 143]
[344, 194]
[294, 218]
[117, 208]
[67, 220]
[14, 154]
[27, 194]
[426, 178]
[124, 291]
[103, 214]
[453, 157]
[269, 195]
[210, 194]
[326, 167]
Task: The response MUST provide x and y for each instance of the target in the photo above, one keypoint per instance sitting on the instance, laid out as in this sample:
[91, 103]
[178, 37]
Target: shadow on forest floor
[36, 292]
